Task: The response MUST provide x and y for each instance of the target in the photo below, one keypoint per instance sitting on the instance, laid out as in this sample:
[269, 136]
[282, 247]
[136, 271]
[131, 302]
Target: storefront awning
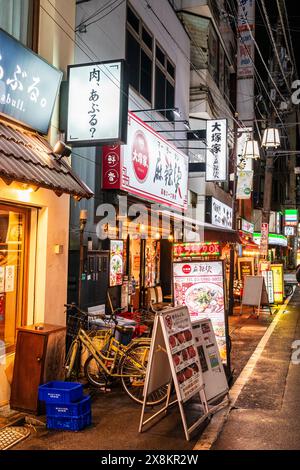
[26, 157]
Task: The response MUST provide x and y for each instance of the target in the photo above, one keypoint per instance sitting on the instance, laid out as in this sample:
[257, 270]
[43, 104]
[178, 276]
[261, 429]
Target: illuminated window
[17, 19]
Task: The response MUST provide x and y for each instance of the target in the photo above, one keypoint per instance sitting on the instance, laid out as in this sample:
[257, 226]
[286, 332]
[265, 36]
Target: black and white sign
[28, 85]
[218, 213]
[216, 154]
[97, 103]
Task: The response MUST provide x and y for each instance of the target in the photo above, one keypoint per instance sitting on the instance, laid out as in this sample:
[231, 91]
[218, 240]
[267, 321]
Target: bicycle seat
[124, 328]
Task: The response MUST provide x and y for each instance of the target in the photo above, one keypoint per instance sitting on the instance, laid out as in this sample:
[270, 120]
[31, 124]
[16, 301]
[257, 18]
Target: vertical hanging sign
[264, 241]
[216, 154]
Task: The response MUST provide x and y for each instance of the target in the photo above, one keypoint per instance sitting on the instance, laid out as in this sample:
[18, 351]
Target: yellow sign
[277, 270]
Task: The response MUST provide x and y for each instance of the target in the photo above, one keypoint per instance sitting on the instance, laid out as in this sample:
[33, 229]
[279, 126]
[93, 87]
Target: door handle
[38, 359]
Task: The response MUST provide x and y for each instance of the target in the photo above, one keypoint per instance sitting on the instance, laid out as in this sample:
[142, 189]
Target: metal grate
[10, 436]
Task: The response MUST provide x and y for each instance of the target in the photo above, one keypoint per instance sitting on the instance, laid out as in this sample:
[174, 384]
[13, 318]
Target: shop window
[139, 54]
[14, 236]
[18, 19]
[164, 82]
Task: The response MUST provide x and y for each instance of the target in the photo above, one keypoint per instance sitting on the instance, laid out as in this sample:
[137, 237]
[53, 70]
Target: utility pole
[269, 157]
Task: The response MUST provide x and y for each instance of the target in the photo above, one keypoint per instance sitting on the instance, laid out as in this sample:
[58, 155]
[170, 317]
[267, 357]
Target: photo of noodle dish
[205, 298]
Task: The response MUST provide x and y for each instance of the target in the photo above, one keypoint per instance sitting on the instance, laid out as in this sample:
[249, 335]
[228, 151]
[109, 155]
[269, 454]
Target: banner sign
[244, 184]
[148, 167]
[97, 103]
[243, 134]
[200, 286]
[264, 240]
[216, 154]
[116, 263]
[28, 85]
[218, 213]
[246, 47]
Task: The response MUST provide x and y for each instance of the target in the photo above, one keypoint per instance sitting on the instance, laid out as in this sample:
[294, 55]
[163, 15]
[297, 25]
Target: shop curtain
[14, 18]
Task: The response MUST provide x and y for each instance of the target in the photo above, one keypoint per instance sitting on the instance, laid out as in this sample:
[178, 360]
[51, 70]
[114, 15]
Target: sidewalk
[116, 417]
[266, 413]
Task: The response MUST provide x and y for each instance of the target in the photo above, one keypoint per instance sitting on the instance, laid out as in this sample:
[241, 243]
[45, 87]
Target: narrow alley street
[266, 414]
[263, 405]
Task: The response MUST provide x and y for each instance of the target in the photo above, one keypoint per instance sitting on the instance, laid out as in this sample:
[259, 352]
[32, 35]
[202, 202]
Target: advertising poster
[116, 262]
[178, 328]
[277, 270]
[200, 286]
[245, 267]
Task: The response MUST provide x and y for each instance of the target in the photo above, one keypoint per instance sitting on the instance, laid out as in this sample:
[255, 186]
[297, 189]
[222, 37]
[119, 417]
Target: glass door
[14, 238]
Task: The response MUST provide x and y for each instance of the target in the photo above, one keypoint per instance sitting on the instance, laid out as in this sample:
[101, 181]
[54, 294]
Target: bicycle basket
[75, 322]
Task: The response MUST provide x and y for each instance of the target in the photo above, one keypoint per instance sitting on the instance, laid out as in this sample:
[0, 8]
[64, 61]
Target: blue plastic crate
[71, 423]
[69, 409]
[61, 392]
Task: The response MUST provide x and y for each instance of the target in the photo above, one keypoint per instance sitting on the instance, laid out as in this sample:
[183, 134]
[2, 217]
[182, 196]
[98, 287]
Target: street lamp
[270, 141]
[271, 138]
[251, 150]
[82, 223]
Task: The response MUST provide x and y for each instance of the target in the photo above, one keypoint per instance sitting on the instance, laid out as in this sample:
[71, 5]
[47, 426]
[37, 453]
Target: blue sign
[28, 85]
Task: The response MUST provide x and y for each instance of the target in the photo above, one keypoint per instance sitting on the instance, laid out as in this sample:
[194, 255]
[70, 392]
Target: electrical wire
[97, 12]
[274, 43]
[285, 35]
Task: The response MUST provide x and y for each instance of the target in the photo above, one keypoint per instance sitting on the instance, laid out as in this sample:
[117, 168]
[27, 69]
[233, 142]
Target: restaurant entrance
[14, 239]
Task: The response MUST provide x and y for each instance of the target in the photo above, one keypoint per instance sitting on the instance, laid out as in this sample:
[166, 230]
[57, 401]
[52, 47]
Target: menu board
[245, 267]
[116, 263]
[268, 277]
[211, 365]
[278, 279]
[178, 329]
[200, 286]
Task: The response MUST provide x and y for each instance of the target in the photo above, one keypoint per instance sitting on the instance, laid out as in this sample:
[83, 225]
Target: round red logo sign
[186, 269]
[140, 156]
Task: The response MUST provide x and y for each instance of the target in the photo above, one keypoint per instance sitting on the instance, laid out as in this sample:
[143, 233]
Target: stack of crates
[66, 406]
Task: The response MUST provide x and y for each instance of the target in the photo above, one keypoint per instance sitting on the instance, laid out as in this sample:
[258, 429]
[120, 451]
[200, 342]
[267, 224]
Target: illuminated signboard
[196, 250]
[246, 226]
[200, 286]
[291, 217]
[97, 103]
[28, 85]
[149, 167]
[274, 239]
[289, 231]
[116, 264]
[277, 270]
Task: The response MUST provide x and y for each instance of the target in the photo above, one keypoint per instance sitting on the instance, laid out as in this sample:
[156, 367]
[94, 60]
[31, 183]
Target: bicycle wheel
[133, 371]
[288, 290]
[71, 358]
[94, 373]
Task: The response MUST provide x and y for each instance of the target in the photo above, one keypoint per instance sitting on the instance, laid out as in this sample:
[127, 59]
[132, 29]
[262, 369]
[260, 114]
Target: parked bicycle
[109, 358]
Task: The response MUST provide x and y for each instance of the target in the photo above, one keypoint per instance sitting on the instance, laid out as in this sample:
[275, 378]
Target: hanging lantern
[251, 149]
[271, 138]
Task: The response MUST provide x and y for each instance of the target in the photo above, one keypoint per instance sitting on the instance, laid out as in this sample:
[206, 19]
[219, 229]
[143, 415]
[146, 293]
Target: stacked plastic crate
[66, 406]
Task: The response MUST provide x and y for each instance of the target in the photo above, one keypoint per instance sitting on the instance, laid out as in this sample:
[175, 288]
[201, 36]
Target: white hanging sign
[216, 154]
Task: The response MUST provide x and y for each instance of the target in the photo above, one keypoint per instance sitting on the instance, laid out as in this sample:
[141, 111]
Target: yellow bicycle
[109, 358]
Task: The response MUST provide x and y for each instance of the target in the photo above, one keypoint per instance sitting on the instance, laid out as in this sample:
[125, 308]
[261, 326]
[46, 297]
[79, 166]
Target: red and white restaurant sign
[148, 167]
